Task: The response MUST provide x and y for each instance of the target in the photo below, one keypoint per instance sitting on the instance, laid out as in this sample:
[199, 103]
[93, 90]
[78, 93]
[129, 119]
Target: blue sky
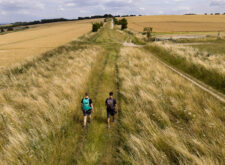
[27, 10]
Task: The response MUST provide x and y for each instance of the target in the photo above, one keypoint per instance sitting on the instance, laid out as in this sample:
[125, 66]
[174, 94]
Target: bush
[116, 22]
[123, 22]
[10, 29]
[96, 26]
[148, 32]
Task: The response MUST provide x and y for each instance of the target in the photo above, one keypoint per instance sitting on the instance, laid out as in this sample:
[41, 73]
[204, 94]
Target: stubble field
[15, 47]
[179, 23]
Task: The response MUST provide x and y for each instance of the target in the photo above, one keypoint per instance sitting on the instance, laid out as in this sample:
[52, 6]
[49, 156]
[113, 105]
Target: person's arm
[91, 104]
[82, 104]
[115, 105]
[106, 102]
[92, 107]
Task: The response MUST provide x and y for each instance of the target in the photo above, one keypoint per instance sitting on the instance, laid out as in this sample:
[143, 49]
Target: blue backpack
[86, 106]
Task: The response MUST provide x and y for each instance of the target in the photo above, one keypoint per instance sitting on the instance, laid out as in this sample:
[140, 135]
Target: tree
[1, 30]
[10, 28]
[148, 31]
[96, 26]
[123, 22]
[116, 22]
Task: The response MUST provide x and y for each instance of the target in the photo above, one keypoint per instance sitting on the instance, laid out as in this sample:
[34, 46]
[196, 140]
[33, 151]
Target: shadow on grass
[100, 119]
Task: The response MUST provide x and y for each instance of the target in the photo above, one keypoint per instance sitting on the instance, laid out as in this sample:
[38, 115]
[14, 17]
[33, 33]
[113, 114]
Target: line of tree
[123, 22]
[9, 28]
[96, 26]
[104, 16]
[43, 21]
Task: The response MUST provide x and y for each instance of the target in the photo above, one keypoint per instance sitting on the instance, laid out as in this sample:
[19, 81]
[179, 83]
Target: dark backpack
[110, 104]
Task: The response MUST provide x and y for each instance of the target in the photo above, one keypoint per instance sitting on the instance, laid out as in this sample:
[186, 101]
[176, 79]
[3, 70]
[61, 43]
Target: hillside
[17, 46]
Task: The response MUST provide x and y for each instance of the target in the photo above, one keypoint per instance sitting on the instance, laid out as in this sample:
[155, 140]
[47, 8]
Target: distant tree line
[104, 16]
[12, 26]
[43, 21]
[206, 14]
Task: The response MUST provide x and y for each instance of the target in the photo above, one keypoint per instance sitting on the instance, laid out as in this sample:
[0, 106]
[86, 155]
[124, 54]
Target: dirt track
[199, 84]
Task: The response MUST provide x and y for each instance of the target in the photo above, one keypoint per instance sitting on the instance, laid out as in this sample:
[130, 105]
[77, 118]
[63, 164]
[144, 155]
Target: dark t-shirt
[90, 101]
[114, 103]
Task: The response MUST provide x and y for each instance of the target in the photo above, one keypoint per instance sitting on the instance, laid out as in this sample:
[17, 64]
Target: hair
[110, 93]
[86, 94]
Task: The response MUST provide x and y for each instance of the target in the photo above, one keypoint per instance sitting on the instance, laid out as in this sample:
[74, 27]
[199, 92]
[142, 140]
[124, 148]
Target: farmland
[18, 46]
[162, 118]
[178, 24]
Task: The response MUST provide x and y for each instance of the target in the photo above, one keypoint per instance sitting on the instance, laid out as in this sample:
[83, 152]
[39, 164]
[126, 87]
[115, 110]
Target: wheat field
[15, 47]
[178, 23]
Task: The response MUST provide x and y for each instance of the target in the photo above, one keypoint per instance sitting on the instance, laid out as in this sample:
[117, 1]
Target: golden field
[178, 23]
[15, 47]
[165, 119]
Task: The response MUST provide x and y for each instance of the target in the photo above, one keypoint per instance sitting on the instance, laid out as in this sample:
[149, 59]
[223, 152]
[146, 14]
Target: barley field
[178, 23]
[17, 46]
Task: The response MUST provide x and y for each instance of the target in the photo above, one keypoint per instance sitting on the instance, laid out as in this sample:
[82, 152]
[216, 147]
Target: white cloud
[218, 3]
[22, 10]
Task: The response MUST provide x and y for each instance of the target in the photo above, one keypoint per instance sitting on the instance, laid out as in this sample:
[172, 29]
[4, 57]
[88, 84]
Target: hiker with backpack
[111, 108]
[87, 108]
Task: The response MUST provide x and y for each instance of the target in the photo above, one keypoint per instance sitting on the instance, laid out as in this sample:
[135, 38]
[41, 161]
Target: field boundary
[197, 83]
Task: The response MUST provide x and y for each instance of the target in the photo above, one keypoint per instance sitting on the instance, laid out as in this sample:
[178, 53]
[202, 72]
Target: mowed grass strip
[38, 101]
[100, 143]
[165, 119]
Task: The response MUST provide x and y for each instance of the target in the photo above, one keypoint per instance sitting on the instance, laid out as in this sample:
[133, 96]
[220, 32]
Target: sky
[28, 10]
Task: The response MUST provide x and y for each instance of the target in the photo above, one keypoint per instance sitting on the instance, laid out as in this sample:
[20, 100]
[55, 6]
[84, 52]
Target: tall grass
[209, 68]
[166, 120]
[38, 98]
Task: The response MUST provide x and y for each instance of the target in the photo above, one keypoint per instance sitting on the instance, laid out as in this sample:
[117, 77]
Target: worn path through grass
[96, 144]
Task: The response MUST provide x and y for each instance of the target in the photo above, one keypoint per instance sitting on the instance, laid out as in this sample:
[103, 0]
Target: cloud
[24, 10]
[218, 3]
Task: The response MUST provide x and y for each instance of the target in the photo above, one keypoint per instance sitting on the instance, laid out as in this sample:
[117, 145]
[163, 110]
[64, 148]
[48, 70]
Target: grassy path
[100, 143]
[96, 144]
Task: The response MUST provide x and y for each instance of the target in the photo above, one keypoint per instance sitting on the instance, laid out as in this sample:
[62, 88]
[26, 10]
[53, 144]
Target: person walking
[87, 108]
[111, 108]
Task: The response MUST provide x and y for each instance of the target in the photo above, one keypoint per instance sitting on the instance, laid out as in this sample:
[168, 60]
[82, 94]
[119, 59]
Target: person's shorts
[110, 113]
[87, 112]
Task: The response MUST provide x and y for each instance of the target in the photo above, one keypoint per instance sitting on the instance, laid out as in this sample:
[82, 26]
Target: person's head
[86, 95]
[111, 94]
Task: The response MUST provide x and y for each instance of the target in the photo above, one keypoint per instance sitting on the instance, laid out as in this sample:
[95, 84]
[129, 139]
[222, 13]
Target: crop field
[182, 23]
[162, 118]
[17, 46]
